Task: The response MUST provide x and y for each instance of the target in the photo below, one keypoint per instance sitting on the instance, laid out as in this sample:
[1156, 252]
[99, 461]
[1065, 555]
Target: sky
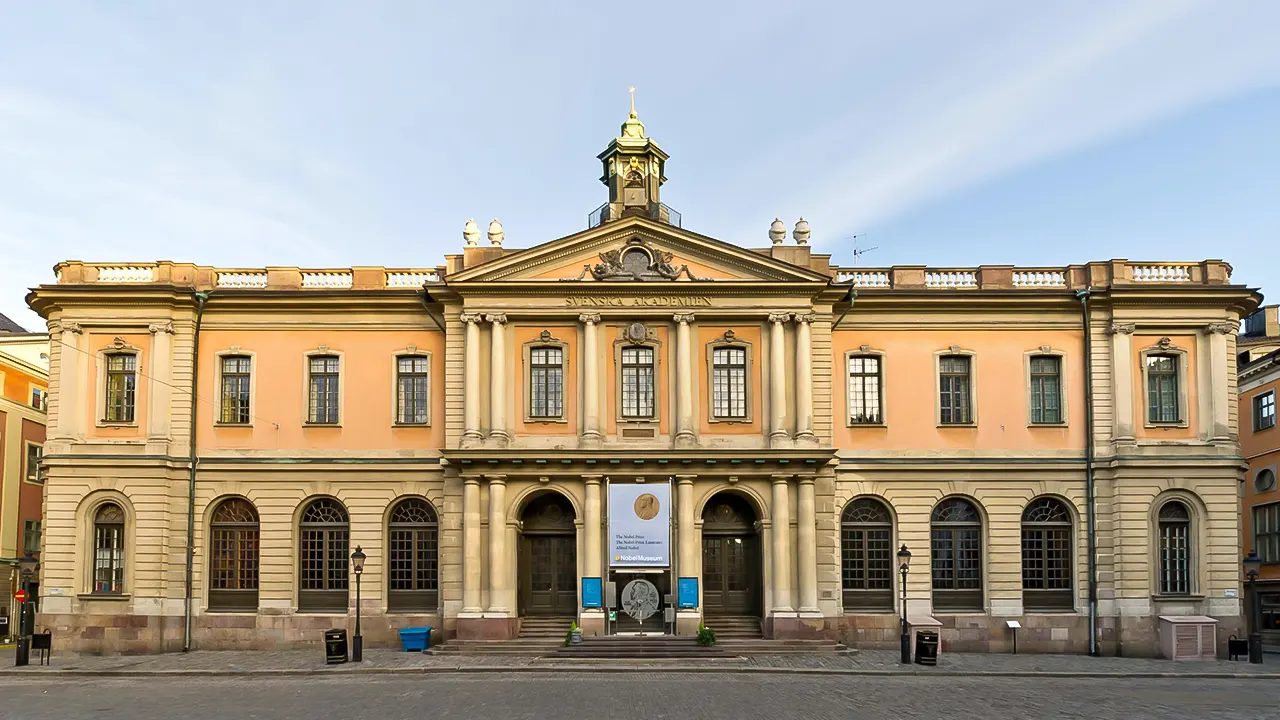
[330, 134]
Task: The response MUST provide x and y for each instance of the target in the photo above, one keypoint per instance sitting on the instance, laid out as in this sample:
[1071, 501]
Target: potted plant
[574, 636]
[706, 636]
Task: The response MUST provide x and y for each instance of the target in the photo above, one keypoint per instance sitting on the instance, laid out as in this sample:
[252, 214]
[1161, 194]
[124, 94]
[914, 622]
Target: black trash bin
[335, 646]
[926, 647]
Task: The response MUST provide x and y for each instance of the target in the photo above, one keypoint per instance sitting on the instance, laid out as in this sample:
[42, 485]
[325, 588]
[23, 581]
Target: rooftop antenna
[859, 252]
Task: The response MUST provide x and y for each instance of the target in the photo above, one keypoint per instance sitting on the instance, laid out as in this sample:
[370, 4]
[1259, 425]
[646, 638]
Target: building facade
[1259, 385]
[790, 425]
[24, 388]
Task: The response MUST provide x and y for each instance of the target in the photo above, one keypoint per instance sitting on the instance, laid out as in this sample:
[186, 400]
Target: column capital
[469, 318]
[589, 318]
[805, 318]
[496, 479]
[780, 478]
[806, 479]
[592, 479]
[157, 328]
[1122, 329]
[1224, 328]
[685, 479]
[471, 479]
[779, 317]
[683, 318]
[71, 327]
[496, 318]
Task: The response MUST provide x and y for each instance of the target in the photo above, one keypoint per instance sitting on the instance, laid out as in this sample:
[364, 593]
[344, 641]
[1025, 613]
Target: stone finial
[471, 232]
[801, 233]
[777, 231]
[496, 234]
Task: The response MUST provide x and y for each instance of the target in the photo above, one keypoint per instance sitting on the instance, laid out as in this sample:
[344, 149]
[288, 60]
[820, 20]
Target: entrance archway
[548, 557]
[732, 573]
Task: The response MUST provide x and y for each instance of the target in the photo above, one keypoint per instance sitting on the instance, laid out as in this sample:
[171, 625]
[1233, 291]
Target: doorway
[732, 573]
[548, 561]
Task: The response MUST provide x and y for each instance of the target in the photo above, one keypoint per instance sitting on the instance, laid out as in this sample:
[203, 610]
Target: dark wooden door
[550, 569]
[730, 574]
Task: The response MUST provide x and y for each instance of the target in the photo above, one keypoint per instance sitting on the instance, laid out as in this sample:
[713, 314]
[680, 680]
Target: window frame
[229, 599]
[730, 341]
[324, 600]
[306, 386]
[27, 477]
[865, 599]
[416, 600]
[397, 417]
[865, 352]
[118, 565]
[1191, 542]
[1182, 378]
[26, 534]
[220, 357]
[955, 594]
[1049, 599]
[972, 358]
[103, 390]
[656, 346]
[545, 341]
[1273, 533]
[32, 389]
[1028, 360]
[1260, 405]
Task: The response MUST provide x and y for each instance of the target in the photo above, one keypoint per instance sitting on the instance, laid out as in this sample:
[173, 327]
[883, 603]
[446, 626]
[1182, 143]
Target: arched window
[1175, 549]
[233, 557]
[1046, 557]
[108, 550]
[866, 556]
[956, 550]
[414, 568]
[323, 557]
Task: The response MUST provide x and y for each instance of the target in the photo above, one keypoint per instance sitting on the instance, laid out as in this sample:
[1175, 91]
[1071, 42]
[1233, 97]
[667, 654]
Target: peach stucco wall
[1189, 386]
[17, 385]
[663, 355]
[561, 332]
[749, 334]
[94, 411]
[1002, 413]
[367, 393]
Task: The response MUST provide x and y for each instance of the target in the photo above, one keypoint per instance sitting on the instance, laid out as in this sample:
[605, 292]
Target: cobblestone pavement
[634, 696]
[868, 661]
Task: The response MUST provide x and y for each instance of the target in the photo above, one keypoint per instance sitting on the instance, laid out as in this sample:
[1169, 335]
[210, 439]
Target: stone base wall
[138, 634]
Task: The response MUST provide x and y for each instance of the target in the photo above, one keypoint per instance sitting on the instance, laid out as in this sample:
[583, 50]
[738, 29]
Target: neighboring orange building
[24, 384]
[1260, 445]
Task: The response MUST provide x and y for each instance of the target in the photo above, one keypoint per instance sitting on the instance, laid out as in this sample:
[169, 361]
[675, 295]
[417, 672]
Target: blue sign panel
[688, 592]
[591, 593]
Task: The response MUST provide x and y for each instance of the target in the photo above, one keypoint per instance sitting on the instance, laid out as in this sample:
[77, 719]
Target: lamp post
[26, 568]
[1253, 564]
[357, 642]
[904, 563]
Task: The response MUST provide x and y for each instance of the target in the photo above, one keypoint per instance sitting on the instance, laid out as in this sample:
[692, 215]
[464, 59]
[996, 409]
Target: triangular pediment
[636, 250]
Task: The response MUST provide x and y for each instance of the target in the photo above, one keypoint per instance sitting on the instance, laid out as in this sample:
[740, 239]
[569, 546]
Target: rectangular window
[637, 382]
[412, 385]
[31, 537]
[1266, 532]
[1046, 390]
[953, 381]
[546, 382]
[1264, 411]
[323, 399]
[235, 390]
[864, 390]
[39, 398]
[34, 453]
[122, 387]
[729, 383]
[1162, 389]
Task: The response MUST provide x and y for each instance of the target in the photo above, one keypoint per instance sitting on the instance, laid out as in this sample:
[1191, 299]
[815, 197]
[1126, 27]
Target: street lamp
[1252, 565]
[904, 563]
[357, 642]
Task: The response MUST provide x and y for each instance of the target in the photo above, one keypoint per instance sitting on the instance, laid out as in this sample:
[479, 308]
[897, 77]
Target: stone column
[499, 601]
[471, 545]
[807, 552]
[471, 384]
[685, 436]
[70, 370]
[591, 436]
[592, 564]
[804, 380]
[1218, 388]
[781, 546]
[498, 372]
[687, 551]
[1122, 382]
[161, 363]
[777, 381]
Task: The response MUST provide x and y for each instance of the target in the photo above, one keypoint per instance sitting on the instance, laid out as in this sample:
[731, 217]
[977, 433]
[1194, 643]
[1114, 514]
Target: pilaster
[807, 552]
[499, 591]
[1122, 382]
[778, 437]
[498, 434]
[471, 572]
[1218, 386]
[471, 434]
[161, 364]
[804, 380]
[685, 437]
[781, 580]
[70, 396]
[591, 436]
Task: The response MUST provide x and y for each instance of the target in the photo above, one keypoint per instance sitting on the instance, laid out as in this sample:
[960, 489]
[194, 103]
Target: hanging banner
[640, 524]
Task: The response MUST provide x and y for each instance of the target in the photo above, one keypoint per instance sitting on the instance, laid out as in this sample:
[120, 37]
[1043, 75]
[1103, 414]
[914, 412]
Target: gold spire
[632, 90]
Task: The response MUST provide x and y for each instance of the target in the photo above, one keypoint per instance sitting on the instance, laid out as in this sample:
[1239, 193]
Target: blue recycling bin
[416, 639]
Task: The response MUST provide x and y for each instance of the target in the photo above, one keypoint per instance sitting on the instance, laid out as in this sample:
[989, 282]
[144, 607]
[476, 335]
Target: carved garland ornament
[637, 260]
